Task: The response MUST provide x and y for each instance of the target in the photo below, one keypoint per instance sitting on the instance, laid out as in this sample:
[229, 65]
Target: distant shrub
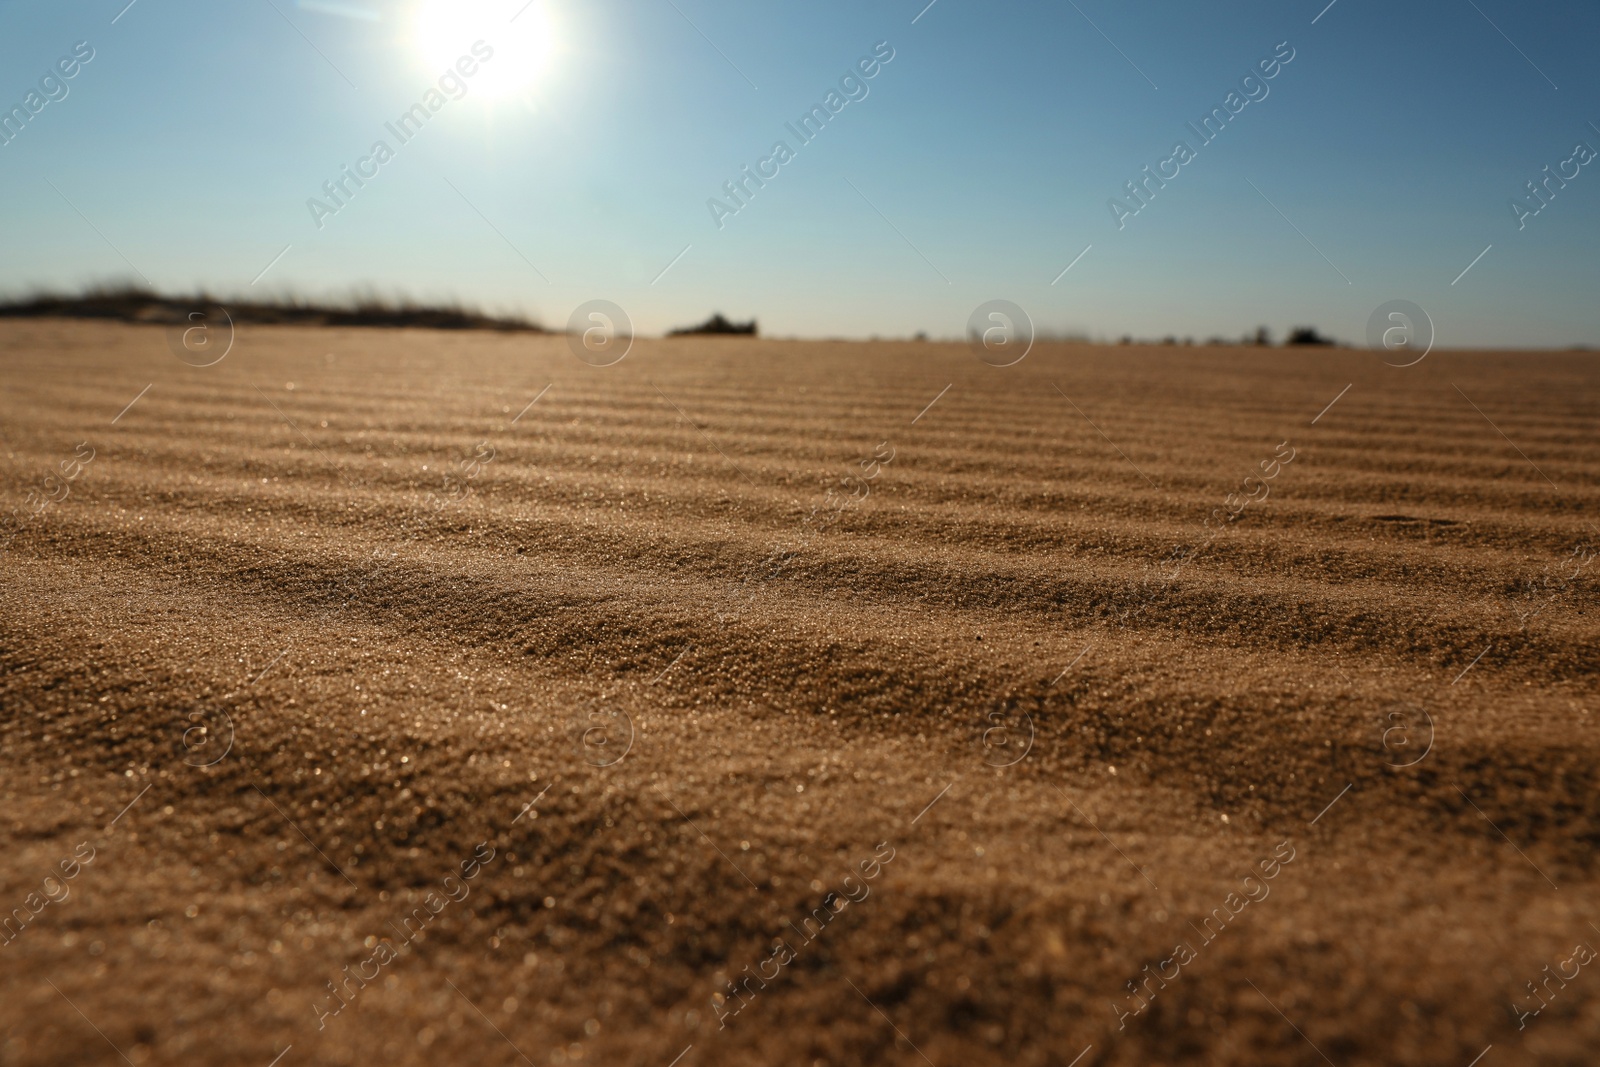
[1307, 335]
[716, 324]
[132, 303]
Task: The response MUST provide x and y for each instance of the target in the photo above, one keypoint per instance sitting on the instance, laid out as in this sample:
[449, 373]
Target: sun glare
[508, 43]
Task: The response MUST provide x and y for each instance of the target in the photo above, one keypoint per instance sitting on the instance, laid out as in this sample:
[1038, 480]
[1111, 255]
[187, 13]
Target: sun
[517, 34]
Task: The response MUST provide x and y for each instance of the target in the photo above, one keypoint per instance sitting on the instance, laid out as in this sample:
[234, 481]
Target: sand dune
[621, 655]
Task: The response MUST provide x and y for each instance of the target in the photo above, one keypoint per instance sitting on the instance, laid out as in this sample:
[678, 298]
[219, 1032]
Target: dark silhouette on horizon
[1307, 335]
[139, 305]
[716, 324]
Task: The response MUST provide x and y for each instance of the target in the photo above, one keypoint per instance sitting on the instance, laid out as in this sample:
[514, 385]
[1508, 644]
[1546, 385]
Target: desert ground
[418, 697]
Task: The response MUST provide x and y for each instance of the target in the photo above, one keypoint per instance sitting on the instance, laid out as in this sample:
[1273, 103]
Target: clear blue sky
[982, 160]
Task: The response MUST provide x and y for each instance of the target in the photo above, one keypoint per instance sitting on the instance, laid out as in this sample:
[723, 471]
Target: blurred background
[580, 161]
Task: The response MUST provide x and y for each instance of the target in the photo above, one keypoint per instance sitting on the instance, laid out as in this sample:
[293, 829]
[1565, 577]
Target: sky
[984, 158]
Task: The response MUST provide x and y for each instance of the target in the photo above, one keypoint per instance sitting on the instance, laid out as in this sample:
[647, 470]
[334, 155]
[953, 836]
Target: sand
[1072, 776]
